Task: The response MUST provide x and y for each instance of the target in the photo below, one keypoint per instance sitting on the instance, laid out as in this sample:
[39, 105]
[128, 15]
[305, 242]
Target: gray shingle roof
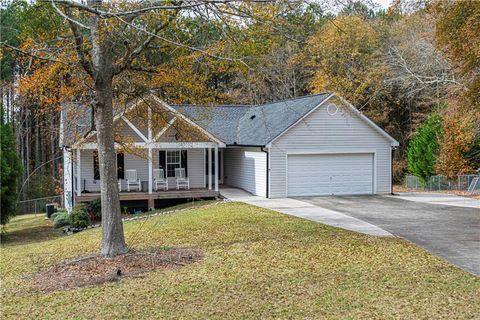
[251, 125]
[220, 121]
[77, 122]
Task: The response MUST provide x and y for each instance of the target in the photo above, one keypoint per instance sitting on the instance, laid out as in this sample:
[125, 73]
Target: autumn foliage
[458, 139]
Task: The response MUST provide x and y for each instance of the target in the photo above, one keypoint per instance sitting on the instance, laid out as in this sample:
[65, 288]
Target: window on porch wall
[171, 160]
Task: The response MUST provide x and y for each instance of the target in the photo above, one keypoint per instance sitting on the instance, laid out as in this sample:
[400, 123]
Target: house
[307, 146]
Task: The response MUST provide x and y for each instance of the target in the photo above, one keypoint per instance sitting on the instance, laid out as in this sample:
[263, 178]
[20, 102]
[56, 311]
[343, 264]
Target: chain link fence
[37, 205]
[439, 183]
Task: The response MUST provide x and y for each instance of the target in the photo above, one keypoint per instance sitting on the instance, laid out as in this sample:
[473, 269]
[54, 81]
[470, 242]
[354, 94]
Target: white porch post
[150, 154]
[79, 180]
[209, 150]
[216, 168]
[150, 171]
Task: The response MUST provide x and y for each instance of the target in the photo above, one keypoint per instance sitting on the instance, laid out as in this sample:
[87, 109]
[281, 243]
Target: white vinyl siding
[245, 168]
[321, 132]
[330, 174]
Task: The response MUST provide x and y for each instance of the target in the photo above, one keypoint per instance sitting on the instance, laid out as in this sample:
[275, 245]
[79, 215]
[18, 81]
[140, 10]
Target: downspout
[391, 171]
[268, 170]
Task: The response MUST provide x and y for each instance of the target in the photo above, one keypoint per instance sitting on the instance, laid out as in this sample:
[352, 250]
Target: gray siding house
[313, 145]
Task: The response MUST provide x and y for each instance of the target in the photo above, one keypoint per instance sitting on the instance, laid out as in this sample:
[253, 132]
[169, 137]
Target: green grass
[181, 206]
[257, 264]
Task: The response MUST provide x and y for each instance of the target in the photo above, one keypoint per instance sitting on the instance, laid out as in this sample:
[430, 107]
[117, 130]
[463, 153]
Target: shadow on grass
[27, 229]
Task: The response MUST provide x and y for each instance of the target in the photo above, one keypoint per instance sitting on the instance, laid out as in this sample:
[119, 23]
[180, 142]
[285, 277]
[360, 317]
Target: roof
[220, 121]
[251, 125]
[246, 125]
[76, 120]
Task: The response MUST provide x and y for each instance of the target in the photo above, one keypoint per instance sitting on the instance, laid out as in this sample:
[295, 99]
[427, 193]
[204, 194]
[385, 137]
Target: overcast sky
[383, 3]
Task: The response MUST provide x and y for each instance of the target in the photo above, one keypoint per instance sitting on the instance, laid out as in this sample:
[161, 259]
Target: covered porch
[202, 163]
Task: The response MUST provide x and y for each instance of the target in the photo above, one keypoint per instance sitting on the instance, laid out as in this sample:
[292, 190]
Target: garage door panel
[327, 174]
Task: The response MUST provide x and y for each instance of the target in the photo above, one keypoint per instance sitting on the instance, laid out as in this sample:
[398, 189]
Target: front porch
[202, 162]
[196, 193]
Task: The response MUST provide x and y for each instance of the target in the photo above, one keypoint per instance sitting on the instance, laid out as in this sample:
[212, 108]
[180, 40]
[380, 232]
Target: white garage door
[330, 174]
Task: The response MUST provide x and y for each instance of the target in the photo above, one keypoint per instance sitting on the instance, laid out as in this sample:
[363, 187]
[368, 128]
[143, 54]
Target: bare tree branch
[79, 44]
[33, 55]
[150, 6]
[68, 17]
[131, 55]
[183, 45]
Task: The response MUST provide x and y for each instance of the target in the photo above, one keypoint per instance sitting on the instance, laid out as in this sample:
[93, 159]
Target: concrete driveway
[307, 211]
[449, 231]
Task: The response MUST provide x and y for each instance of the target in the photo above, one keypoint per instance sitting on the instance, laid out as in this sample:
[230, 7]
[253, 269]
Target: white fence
[439, 183]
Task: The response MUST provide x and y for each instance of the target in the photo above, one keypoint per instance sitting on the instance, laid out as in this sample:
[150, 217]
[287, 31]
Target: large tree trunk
[113, 240]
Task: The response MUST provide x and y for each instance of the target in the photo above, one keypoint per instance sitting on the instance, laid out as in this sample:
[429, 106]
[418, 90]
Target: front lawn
[257, 264]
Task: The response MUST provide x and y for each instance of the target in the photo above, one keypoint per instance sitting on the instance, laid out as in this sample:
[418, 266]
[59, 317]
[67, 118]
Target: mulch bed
[96, 270]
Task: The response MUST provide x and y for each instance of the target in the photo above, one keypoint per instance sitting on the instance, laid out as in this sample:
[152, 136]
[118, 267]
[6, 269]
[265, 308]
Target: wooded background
[398, 66]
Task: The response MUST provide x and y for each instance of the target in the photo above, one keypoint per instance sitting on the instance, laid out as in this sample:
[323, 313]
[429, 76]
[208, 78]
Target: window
[173, 162]
[120, 166]
[172, 159]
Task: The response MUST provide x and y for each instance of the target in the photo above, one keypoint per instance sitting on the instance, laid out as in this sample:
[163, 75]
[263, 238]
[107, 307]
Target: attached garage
[333, 150]
[330, 174]
[306, 146]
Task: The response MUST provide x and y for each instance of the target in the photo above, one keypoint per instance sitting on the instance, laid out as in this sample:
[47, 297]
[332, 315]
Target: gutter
[246, 145]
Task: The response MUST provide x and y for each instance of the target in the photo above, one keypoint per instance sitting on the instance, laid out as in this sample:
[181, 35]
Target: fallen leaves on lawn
[96, 270]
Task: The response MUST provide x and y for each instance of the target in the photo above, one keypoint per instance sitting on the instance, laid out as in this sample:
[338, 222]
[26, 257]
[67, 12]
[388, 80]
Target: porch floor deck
[169, 194]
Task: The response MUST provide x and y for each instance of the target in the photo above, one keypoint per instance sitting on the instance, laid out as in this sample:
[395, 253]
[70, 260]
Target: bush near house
[79, 217]
[94, 209]
[60, 219]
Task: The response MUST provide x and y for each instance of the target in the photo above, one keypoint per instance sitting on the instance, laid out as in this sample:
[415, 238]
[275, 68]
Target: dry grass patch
[96, 270]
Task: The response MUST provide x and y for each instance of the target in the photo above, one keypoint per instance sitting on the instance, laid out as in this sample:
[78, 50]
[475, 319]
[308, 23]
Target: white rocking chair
[119, 185]
[159, 179]
[181, 179]
[132, 180]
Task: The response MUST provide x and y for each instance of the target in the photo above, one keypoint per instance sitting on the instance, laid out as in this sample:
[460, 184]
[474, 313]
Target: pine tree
[11, 170]
[424, 147]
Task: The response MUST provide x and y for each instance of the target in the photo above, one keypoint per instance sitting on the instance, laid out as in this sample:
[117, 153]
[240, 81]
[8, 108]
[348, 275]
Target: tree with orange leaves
[100, 49]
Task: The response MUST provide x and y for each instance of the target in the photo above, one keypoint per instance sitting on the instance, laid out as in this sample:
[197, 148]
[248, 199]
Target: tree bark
[113, 239]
